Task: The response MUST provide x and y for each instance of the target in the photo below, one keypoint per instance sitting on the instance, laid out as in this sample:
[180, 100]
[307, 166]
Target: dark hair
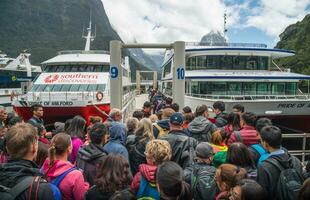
[97, 132]
[200, 110]
[42, 153]
[77, 127]
[125, 194]
[14, 120]
[67, 124]
[234, 120]
[249, 118]
[188, 117]
[251, 190]
[239, 107]
[138, 114]
[35, 107]
[113, 174]
[219, 105]
[304, 193]
[261, 123]
[238, 154]
[175, 107]
[187, 109]
[169, 178]
[168, 100]
[230, 174]
[59, 145]
[272, 135]
[147, 104]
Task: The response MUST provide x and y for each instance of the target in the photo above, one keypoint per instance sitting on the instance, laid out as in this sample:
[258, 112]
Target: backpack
[262, 153]
[203, 185]
[238, 136]
[290, 181]
[161, 132]
[252, 173]
[147, 190]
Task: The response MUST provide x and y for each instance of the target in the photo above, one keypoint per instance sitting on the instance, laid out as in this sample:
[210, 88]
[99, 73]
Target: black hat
[204, 150]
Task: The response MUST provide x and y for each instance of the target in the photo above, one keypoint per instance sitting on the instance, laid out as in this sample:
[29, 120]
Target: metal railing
[255, 45]
[301, 152]
[83, 52]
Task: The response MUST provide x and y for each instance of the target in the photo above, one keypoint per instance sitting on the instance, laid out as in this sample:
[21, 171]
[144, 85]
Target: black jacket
[268, 175]
[95, 194]
[136, 149]
[15, 171]
[88, 159]
[36, 122]
[201, 129]
[182, 146]
[221, 120]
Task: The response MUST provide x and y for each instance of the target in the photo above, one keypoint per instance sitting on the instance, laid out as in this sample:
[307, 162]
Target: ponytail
[186, 192]
[217, 137]
[59, 145]
[51, 155]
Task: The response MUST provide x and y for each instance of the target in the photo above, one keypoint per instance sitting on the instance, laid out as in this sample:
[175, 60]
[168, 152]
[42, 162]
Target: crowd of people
[161, 152]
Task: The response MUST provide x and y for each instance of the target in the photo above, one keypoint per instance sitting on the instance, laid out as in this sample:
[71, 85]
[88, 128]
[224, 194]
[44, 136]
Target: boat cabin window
[227, 62]
[68, 87]
[167, 69]
[76, 68]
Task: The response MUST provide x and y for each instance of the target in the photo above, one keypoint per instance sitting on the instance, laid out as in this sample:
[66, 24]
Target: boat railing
[303, 152]
[199, 44]
[83, 52]
[250, 97]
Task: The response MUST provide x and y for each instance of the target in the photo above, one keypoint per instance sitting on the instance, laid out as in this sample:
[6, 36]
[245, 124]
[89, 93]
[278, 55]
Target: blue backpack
[147, 191]
[262, 152]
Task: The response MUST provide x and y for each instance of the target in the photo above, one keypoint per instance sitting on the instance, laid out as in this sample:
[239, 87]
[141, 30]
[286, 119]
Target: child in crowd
[219, 147]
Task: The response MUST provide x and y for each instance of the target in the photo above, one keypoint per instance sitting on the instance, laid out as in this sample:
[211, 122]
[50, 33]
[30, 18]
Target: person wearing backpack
[280, 174]
[200, 175]
[144, 182]
[60, 172]
[90, 156]
[20, 176]
[161, 128]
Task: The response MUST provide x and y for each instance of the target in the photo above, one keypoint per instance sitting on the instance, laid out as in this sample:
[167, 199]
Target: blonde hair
[158, 151]
[153, 118]
[145, 129]
[167, 112]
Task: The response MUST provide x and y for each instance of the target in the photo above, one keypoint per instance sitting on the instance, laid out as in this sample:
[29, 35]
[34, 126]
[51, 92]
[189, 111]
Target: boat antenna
[225, 20]
[89, 37]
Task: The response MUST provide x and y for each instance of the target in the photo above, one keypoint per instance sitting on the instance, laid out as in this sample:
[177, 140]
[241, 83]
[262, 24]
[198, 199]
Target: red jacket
[248, 135]
[148, 172]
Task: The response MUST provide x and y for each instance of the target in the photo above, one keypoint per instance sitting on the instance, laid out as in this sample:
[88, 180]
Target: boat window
[83, 87]
[226, 62]
[60, 68]
[35, 87]
[278, 88]
[234, 88]
[48, 88]
[290, 88]
[195, 87]
[263, 88]
[213, 62]
[203, 87]
[65, 87]
[57, 88]
[167, 69]
[101, 87]
[249, 88]
[201, 62]
[263, 63]
[218, 88]
[41, 88]
[74, 88]
[92, 87]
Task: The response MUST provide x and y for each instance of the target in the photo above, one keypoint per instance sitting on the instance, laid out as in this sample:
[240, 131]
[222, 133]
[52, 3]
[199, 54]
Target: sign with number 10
[180, 73]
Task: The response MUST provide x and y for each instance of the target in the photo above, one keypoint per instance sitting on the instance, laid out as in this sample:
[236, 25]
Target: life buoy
[99, 96]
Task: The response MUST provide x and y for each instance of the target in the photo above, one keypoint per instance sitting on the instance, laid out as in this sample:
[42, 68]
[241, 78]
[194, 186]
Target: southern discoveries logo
[51, 78]
[72, 78]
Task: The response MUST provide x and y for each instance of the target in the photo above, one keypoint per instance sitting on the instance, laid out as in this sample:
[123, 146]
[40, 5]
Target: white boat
[242, 74]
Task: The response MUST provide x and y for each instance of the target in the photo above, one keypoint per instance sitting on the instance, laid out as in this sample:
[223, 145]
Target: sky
[162, 21]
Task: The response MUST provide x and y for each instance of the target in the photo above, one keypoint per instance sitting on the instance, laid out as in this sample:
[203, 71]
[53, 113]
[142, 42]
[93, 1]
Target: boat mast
[89, 37]
[225, 28]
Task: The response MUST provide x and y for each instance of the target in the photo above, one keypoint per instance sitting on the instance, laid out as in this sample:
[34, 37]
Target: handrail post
[303, 156]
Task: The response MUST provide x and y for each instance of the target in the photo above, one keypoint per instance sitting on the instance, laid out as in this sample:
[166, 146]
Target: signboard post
[178, 68]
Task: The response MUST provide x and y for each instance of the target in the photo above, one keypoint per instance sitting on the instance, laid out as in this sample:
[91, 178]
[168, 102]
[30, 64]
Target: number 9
[114, 72]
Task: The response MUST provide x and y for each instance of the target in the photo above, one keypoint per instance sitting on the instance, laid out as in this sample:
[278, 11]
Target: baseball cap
[176, 118]
[204, 150]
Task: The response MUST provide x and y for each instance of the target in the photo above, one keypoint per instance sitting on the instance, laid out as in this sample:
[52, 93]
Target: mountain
[213, 38]
[44, 27]
[296, 37]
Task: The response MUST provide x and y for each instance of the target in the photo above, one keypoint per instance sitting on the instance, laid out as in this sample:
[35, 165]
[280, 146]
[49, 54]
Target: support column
[178, 79]
[155, 80]
[138, 81]
[116, 75]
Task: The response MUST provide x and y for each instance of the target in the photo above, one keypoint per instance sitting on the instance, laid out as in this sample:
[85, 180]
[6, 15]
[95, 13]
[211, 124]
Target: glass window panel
[263, 63]
[59, 68]
[251, 63]
[234, 88]
[105, 68]
[218, 88]
[213, 62]
[263, 88]
[74, 68]
[35, 87]
[75, 87]
[101, 87]
[278, 88]
[65, 87]
[92, 87]
[41, 88]
[249, 88]
[226, 62]
[290, 88]
[203, 88]
[194, 87]
[57, 87]
[83, 87]
[48, 88]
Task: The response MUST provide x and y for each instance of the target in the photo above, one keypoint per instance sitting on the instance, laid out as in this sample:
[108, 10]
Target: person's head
[40, 130]
[175, 107]
[168, 100]
[147, 107]
[94, 119]
[228, 175]
[218, 137]
[113, 174]
[261, 123]
[22, 141]
[67, 124]
[145, 129]
[238, 154]
[304, 193]
[188, 117]
[202, 111]
[77, 127]
[247, 189]
[3, 114]
[14, 120]
[137, 114]
[61, 146]
[99, 134]
[234, 120]
[125, 194]
[238, 108]
[169, 181]
[37, 110]
[218, 107]
[132, 124]
[271, 138]
[157, 152]
[116, 114]
[186, 109]
[176, 121]
[248, 118]
[204, 153]
[42, 153]
[153, 118]
[167, 112]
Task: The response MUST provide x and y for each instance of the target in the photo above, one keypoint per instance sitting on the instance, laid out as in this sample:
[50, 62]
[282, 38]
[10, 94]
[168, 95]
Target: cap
[176, 118]
[204, 150]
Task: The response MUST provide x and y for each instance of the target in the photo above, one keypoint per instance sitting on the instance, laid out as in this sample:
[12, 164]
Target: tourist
[219, 147]
[167, 103]
[221, 117]
[14, 120]
[113, 175]
[72, 185]
[90, 156]
[147, 109]
[115, 115]
[201, 174]
[175, 107]
[137, 114]
[201, 128]
[188, 118]
[131, 126]
[22, 146]
[233, 124]
[238, 108]
[37, 116]
[156, 152]
[247, 189]
[182, 146]
[170, 183]
[161, 128]
[3, 115]
[186, 109]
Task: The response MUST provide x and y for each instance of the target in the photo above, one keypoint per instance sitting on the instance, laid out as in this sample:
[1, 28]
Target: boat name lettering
[292, 105]
[84, 76]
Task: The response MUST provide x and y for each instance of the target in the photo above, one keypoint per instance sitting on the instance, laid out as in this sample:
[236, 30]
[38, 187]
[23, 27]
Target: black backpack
[203, 185]
[290, 180]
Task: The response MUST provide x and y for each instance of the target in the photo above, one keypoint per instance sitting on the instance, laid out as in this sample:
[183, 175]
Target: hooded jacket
[221, 119]
[136, 151]
[248, 136]
[73, 185]
[117, 141]
[201, 129]
[88, 159]
[268, 174]
[164, 124]
[15, 171]
[148, 172]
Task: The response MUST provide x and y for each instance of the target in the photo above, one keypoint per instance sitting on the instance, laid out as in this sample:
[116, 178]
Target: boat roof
[242, 75]
[91, 57]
